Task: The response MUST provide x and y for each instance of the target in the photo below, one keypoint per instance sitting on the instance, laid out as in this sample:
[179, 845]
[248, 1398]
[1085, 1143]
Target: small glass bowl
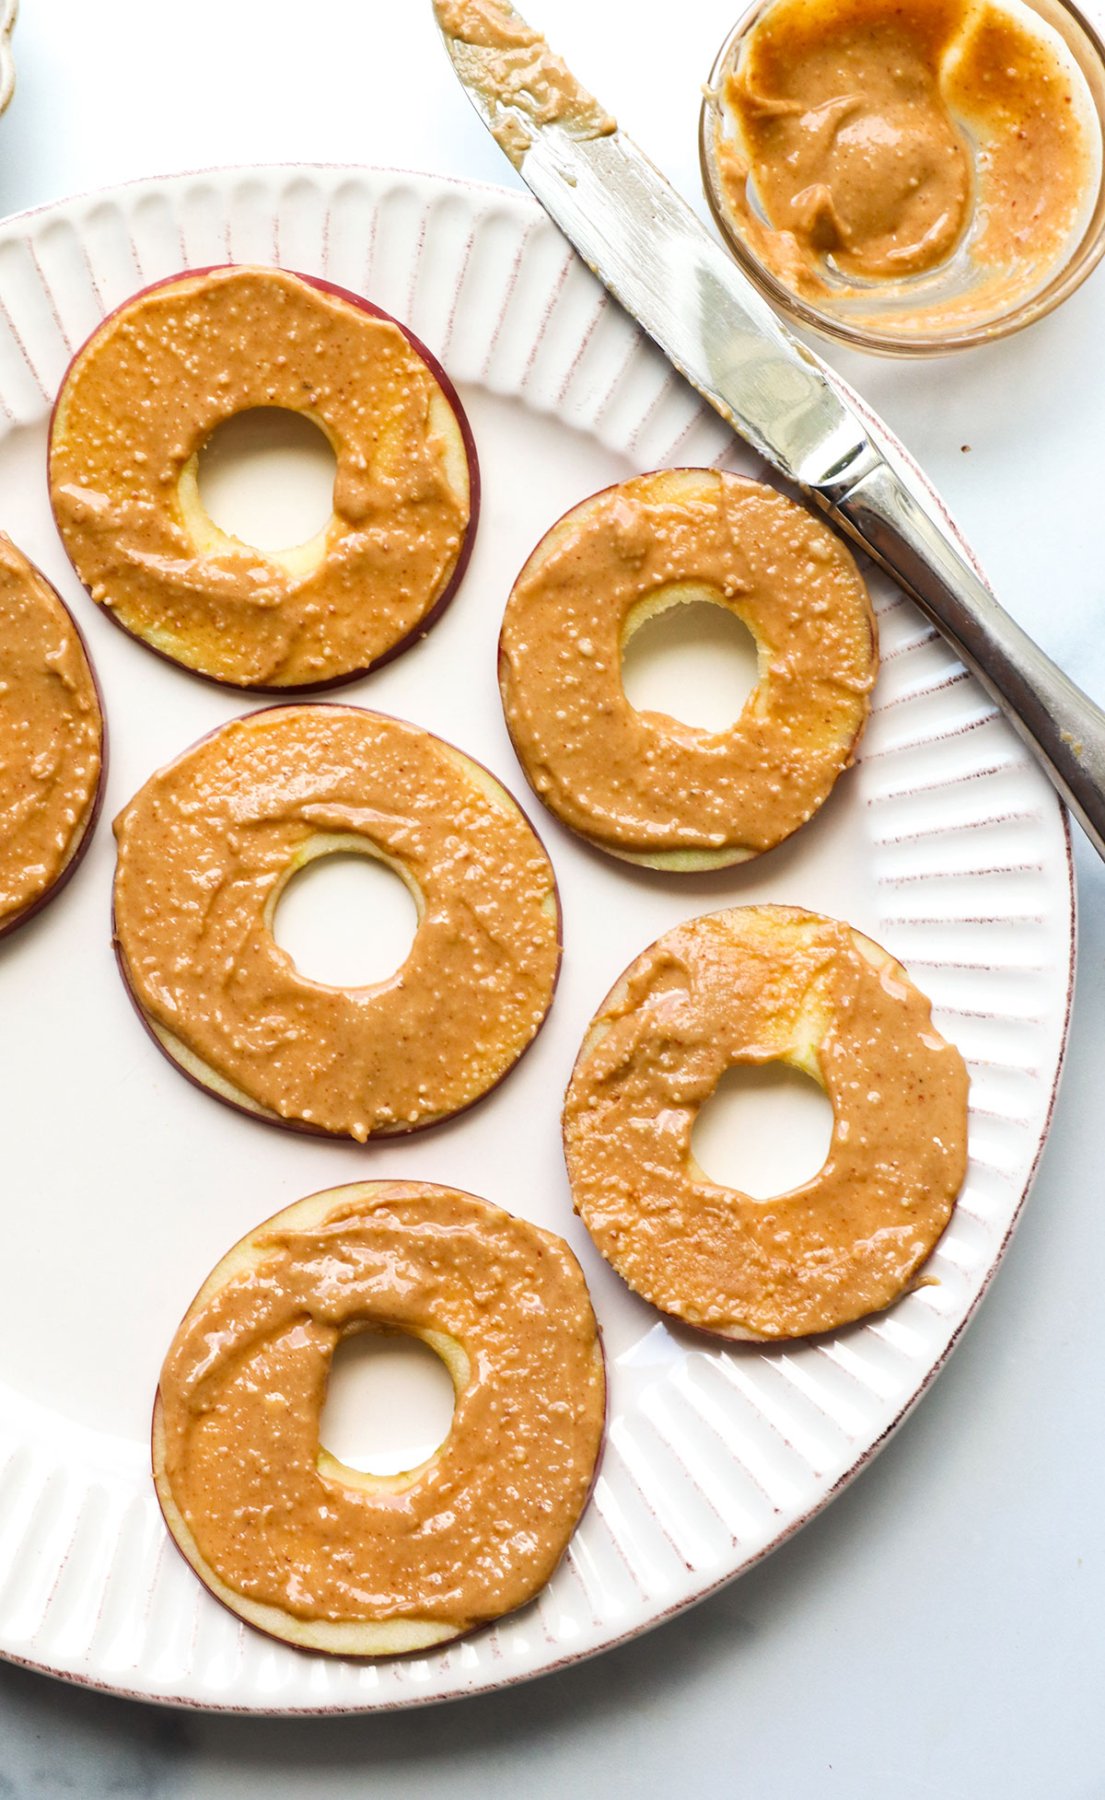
[8, 10]
[889, 322]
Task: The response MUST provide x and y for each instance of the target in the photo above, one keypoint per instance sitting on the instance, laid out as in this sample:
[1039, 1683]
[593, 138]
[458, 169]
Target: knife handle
[1060, 724]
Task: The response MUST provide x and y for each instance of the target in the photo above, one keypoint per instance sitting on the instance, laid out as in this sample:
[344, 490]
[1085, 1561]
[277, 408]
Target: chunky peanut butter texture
[136, 409]
[754, 985]
[880, 137]
[643, 783]
[51, 733]
[523, 83]
[475, 1531]
[204, 851]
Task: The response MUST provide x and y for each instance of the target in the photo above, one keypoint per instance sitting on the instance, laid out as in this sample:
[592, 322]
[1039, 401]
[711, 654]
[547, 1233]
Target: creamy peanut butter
[141, 400]
[865, 144]
[51, 738]
[304, 1546]
[641, 784]
[205, 850]
[523, 84]
[755, 985]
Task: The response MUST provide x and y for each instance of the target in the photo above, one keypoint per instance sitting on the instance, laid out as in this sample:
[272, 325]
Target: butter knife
[654, 255]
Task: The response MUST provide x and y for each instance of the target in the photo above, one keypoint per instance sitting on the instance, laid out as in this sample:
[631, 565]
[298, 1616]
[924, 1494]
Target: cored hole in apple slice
[345, 918]
[765, 1129]
[266, 477]
[389, 1404]
[685, 655]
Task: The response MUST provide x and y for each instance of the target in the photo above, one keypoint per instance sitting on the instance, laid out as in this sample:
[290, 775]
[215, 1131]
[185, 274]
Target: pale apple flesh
[213, 1082]
[749, 986]
[451, 428]
[680, 486]
[366, 1636]
[83, 829]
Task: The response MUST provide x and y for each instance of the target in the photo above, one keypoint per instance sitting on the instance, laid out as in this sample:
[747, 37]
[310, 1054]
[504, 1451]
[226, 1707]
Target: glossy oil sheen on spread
[137, 407]
[479, 1528]
[521, 80]
[642, 782]
[880, 136]
[208, 844]
[755, 985]
[51, 733]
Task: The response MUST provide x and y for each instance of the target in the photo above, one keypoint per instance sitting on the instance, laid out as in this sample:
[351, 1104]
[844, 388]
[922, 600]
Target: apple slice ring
[324, 1556]
[205, 850]
[754, 985]
[142, 398]
[642, 785]
[52, 741]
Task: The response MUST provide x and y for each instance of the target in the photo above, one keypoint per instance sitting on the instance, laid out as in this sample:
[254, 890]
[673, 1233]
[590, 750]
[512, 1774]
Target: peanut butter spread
[755, 985]
[865, 142]
[204, 852]
[271, 1519]
[138, 405]
[522, 83]
[642, 784]
[51, 737]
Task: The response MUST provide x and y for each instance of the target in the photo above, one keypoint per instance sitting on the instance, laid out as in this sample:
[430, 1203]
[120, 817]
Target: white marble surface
[937, 1633]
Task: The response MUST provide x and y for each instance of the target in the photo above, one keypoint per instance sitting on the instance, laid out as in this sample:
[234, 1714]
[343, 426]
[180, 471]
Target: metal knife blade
[651, 251]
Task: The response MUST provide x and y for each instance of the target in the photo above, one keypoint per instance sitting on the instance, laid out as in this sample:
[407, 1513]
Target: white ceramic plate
[123, 1184]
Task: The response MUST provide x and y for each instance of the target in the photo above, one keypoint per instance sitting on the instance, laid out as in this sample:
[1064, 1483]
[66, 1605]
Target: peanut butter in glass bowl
[909, 176]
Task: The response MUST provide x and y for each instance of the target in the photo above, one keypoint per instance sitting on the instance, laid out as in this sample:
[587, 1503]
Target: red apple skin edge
[639, 859]
[429, 619]
[298, 1125]
[50, 893]
[447, 1643]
